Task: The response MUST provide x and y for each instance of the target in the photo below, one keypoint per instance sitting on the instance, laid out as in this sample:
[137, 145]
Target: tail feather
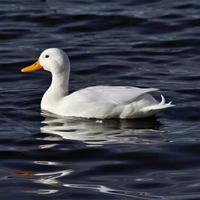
[162, 100]
[155, 108]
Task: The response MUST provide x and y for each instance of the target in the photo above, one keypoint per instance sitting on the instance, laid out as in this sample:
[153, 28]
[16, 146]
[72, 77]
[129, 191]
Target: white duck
[92, 102]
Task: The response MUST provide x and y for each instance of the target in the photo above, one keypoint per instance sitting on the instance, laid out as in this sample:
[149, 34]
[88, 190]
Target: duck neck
[58, 89]
[59, 85]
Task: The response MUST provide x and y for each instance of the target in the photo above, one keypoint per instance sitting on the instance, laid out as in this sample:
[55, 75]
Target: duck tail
[155, 108]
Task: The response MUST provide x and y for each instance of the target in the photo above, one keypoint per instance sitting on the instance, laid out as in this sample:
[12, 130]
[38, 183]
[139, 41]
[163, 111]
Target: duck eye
[46, 56]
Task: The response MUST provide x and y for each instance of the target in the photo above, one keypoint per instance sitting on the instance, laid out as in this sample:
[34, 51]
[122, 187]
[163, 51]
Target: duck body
[103, 102]
[100, 102]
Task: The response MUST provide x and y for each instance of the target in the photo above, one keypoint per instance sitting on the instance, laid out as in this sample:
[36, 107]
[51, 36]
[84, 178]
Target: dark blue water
[146, 43]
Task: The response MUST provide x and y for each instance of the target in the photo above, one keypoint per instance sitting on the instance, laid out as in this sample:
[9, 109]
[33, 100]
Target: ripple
[146, 43]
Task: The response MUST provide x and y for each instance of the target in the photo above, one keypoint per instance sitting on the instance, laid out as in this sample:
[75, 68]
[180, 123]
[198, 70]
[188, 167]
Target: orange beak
[34, 67]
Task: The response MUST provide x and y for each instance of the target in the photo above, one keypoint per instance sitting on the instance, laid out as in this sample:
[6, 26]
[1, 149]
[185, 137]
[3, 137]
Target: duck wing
[118, 95]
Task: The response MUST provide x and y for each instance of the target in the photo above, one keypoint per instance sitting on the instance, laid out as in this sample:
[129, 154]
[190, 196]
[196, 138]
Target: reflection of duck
[46, 178]
[92, 102]
[102, 132]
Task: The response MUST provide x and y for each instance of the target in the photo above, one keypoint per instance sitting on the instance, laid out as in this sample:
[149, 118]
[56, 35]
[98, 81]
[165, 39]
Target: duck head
[53, 60]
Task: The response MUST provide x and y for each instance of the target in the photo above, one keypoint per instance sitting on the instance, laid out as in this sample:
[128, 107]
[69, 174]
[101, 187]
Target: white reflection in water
[99, 132]
[107, 190]
[46, 178]
[92, 132]
[43, 191]
[51, 178]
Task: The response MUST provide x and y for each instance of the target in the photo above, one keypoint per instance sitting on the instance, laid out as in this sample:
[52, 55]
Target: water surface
[146, 43]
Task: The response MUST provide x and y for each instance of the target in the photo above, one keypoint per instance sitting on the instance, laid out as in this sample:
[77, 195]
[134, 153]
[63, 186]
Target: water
[146, 43]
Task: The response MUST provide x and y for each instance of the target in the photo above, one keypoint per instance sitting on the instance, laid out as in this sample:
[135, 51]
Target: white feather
[162, 100]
